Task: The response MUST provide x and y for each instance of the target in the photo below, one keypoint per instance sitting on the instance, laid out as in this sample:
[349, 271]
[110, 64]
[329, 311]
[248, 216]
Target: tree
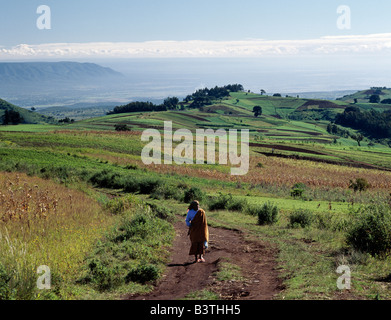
[277, 95]
[171, 103]
[263, 92]
[358, 137]
[257, 111]
[375, 98]
[11, 117]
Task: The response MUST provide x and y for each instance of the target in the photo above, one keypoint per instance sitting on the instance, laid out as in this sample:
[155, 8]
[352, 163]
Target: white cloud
[356, 44]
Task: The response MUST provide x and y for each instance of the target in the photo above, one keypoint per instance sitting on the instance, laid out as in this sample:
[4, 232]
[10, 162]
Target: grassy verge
[132, 254]
[309, 256]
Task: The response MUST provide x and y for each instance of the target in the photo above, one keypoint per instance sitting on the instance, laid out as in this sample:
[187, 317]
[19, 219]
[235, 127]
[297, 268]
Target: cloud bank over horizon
[324, 46]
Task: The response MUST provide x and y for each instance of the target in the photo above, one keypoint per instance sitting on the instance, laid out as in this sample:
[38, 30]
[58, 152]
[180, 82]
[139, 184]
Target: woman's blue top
[190, 216]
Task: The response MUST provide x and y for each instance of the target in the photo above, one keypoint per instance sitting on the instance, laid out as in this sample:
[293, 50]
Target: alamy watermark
[44, 280]
[344, 21]
[156, 153]
[344, 282]
[44, 21]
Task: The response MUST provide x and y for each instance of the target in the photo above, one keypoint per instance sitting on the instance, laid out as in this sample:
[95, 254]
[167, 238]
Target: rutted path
[182, 276]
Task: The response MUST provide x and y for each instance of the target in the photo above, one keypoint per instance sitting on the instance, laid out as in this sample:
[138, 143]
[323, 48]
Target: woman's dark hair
[194, 205]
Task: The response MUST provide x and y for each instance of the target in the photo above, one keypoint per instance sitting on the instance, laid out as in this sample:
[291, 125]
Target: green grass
[74, 154]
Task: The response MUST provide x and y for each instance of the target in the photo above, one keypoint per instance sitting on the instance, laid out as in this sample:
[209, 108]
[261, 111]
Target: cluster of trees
[203, 97]
[332, 128]
[66, 120]
[138, 106]
[198, 99]
[373, 123]
[11, 117]
[375, 98]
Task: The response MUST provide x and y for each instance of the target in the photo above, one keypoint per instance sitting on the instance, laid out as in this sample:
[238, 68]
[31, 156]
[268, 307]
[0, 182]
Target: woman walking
[198, 231]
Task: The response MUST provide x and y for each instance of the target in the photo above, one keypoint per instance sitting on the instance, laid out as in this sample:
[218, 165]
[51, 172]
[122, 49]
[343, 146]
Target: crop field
[79, 198]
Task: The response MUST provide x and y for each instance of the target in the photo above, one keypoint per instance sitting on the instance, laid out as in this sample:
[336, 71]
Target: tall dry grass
[44, 223]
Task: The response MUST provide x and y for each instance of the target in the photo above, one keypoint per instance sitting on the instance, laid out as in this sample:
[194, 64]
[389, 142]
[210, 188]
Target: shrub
[370, 230]
[162, 212]
[121, 204]
[267, 214]
[360, 184]
[143, 273]
[106, 179]
[148, 185]
[139, 226]
[220, 202]
[121, 127]
[301, 218]
[259, 165]
[236, 204]
[116, 206]
[298, 190]
[143, 185]
[227, 202]
[166, 191]
[192, 194]
[103, 274]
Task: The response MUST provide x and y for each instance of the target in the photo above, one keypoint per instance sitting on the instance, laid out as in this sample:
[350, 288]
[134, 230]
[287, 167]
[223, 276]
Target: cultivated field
[79, 199]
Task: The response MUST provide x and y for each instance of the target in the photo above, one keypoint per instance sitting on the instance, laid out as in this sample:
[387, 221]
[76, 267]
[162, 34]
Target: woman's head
[194, 205]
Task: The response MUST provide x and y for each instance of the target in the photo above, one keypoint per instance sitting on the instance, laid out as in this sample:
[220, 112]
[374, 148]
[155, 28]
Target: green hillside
[362, 98]
[279, 119]
[29, 117]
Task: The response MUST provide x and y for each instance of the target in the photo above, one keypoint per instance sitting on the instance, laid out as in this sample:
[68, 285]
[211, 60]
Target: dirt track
[182, 276]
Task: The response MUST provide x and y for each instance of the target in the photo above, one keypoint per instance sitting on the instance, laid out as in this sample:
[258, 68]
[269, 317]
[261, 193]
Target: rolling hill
[29, 117]
[362, 97]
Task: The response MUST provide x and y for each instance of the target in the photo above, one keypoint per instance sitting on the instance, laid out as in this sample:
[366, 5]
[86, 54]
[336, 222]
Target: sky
[189, 28]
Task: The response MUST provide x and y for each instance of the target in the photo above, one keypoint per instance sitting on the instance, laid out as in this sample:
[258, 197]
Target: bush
[143, 185]
[220, 202]
[298, 190]
[227, 202]
[301, 218]
[106, 179]
[192, 194]
[360, 184]
[267, 214]
[370, 230]
[236, 204]
[121, 127]
[166, 191]
[103, 274]
[143, 273]
[139, 227]
[121, 204]
[161, 212]
[148, 185]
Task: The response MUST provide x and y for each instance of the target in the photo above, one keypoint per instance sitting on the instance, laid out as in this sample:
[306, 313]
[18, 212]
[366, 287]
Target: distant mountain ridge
[33, 72]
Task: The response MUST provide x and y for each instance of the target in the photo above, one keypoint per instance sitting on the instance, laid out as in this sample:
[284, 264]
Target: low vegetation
[78, 198]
